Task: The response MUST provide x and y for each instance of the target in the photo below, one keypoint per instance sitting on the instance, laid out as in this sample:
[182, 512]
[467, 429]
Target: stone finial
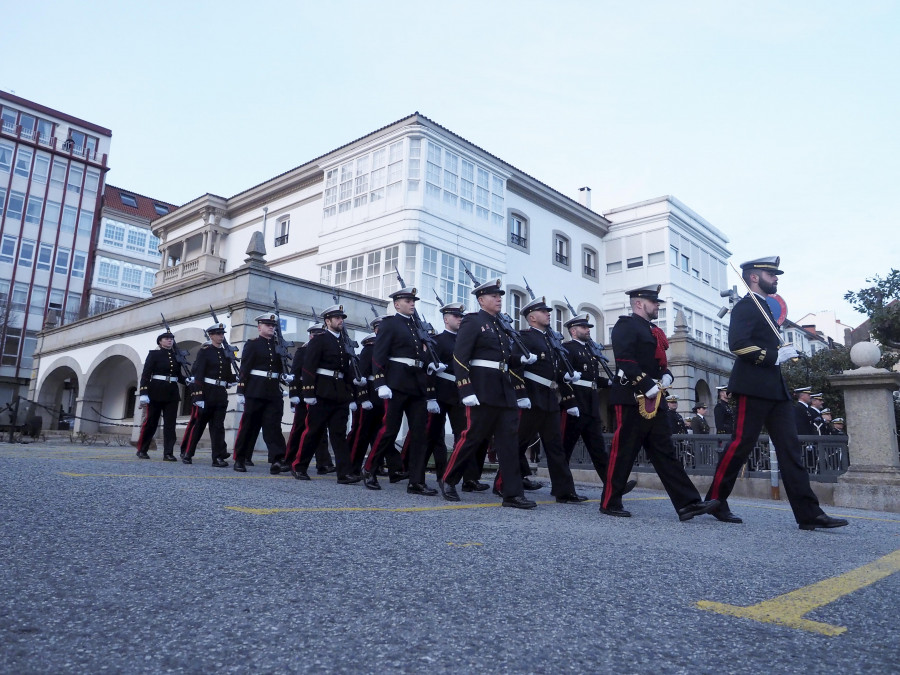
[256, 250]
[681, 327]
[865, 354]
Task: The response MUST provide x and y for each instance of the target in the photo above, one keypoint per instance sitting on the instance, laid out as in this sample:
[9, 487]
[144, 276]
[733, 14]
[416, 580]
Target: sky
[777, 122]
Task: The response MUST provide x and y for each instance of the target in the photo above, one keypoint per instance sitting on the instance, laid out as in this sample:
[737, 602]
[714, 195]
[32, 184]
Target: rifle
[350, 348]
[505, 320]
[438, 298]
[424, 329]
[229, 350]
[180, 354]
[596, 349]
[281, 344]
[555, 339]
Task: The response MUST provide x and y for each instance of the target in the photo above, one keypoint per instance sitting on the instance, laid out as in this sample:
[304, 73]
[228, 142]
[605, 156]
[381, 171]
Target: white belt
[371, 378]
[590, 384]
[266, 374]
[540, 380]
[165, 378]
[407, 362]
[220, 383]
[447, 376]
[330, 373]
[482, 363]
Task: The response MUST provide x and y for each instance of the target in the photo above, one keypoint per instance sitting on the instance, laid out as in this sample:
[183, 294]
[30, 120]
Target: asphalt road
[112, 564]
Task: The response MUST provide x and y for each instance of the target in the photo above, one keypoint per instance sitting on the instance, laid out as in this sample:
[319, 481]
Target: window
[6, 155]
[79, 262]
[518, 231]
[153, 246]
[631, 263]
[45, 255]
[85, 223]
[91, 181]
[51, 214]
[26, 253]
[38, 299]
[23, 162]
[614, 267]
[673, 256]
[282, 229]
[132, 276]
[128, 200]
[149, 279]
[160, 209]
[83, 142]
[357, 267]
[107, 272]
[9, 117]
[58, 173]
[136, 239]
[589, 262]
[8, 248]
[516, 302]
[76, 175]
[33, 212]
[561, 250]
[559, 318]
[15, 206]
[68, 219]
[113, 234]
[62, 261]
[41, 169]
[685, 263]
[656, 258]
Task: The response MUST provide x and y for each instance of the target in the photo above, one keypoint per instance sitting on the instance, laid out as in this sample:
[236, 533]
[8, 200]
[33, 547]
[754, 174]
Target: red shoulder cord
[662, 344]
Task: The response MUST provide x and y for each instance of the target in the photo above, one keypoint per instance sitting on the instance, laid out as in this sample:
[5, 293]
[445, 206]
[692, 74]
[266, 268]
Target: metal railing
[518, 240]
[590, 271]
[562, 259]
[282, 240]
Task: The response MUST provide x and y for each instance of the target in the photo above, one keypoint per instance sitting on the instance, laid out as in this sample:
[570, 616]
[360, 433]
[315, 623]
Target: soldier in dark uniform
[723, 413]
[213, 376]
[159, 394]
[259, 391]
[324, 464]
[837, 425]
[803, 412]
[826, 428]
[763, 398]
[676, 421]
[699, 425]
[547, 386]
[328, 390]
[491, 393]
[642, 368]
[816, 406]
[400, 366]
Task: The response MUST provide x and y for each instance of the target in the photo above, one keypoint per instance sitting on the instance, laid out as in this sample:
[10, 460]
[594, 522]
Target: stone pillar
[873, 480]
[86, 420]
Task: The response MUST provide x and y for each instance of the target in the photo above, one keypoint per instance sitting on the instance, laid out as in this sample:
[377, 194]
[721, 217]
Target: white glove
[200, 404]
[295, 400]
[573, 411]
[189, 380]
[361, 382]
[240, 399]
[353, 406]
[524, 403]
[470, 400]
[528, 359]
[310, 401]
[654, 390]
[229, 385]
[666, 381]
[432, 406]
[287, 378]
[786, 353]
[574, 377]
[384, 391]
[367, 405]
[609, 383]
[439, 368]
[145, 400]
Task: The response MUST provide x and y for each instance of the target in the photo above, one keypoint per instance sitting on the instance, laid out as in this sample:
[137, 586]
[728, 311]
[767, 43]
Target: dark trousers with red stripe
[323, 457]
[484, 423]
[330, 416]
[416, 416]
[633, 431]
[437, 443]
[214, 417]
[778, 416]
[363, 432]
[546, 425]
[169, 412]
[188, 430]
[265, 414]
[590, 430]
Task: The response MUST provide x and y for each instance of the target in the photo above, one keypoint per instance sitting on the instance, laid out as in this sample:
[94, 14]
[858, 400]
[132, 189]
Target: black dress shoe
[529, 484]
[239, 466]
[349, 480]
[220, 463]
[140, 454]
[248, 462]
[726, 516]
[382, 471]
[518, 502]
[181, 455]
[570, 499]
[474, 486]
[629, 486]
[497, 492]
[449, 491]
[275, 468]
[617, 512]
[372, 482]
[186, 460]
[420, 489]
[398, 476]
[823, 521]
[326, 469]
[697, 509]
[300, 474]
[169, 458]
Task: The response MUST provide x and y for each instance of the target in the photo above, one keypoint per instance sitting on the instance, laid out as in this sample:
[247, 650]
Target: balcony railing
[590, 271]
[562, 259]
[518, 240]
[282, 240]
[196, 269]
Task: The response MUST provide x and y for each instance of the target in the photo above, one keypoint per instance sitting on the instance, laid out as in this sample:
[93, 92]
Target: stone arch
[57, 392]
[599, 329]
[112, 379]
[702, 394]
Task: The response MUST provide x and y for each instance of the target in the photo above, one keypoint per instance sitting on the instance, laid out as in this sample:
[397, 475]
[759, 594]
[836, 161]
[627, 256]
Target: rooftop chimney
[585, 196]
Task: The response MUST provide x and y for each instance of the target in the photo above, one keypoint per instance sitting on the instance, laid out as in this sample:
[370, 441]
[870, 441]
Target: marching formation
[502, 390]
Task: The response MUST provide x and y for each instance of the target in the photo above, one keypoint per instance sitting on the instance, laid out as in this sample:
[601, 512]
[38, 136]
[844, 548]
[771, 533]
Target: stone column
[873, 480]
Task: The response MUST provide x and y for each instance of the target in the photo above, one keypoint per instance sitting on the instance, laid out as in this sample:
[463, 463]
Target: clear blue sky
[775, 121]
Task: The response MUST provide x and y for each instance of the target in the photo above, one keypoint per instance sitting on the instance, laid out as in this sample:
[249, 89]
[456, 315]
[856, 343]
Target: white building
[826, 322]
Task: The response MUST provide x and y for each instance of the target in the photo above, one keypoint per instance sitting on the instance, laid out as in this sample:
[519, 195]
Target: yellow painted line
[148, 475]
[789, 609]
[338, 509]
[466, 544]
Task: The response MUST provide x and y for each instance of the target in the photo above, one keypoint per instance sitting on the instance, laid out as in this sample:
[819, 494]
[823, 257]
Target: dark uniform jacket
[583, 360]
[445, 389]
[699, 425]
[724, 416]
[211, 363]
[297, 371]
[397, 337]
[481, 337]
[805, 416]
[549, 365]
[370, 391]
[161, 362]
[326, 352]
[259, 354]
[676, 422]
[635, 348]
[755, 345]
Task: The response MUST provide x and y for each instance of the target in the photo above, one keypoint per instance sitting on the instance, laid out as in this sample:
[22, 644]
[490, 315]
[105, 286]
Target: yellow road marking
[789, 609]
[468, 543]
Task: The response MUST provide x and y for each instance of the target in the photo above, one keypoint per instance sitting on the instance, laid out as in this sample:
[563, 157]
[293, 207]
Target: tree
[881, 303]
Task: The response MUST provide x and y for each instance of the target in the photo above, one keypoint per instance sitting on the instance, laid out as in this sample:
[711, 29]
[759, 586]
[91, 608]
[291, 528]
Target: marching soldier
[676, 421]
[763, 398]
[491, 393]
[640, 349]
[328, 392]
[159, 394]
[213, 376]
[399, 363]
[723, 412]
[547, 386]
[260, 393]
